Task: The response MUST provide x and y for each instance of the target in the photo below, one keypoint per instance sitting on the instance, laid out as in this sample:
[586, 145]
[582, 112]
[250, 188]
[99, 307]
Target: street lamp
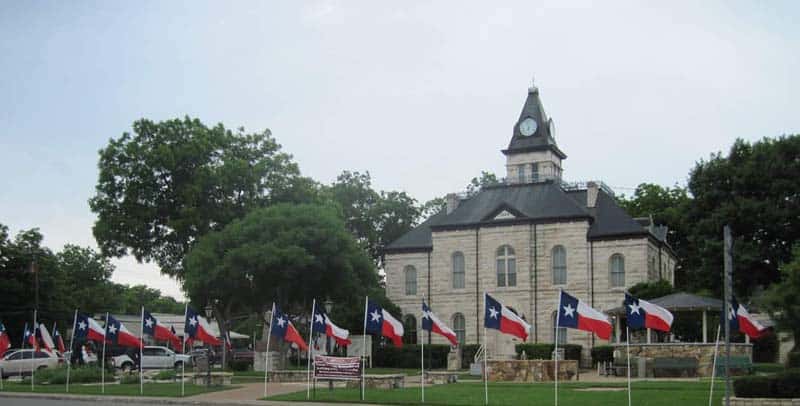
[208, 309]
[328, 306]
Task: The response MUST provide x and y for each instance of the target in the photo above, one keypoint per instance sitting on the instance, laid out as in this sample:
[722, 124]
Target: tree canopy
[287, 253]
[169, 182]
[782, 301]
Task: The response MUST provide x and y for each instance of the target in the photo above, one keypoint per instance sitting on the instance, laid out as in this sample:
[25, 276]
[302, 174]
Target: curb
[128, 399]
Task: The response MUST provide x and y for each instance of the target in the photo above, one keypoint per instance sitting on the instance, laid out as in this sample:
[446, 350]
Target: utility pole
[727, 291]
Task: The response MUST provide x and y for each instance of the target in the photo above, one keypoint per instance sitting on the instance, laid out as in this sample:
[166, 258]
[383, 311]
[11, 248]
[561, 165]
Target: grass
[643, 394]
[150, 389]
[768, 367]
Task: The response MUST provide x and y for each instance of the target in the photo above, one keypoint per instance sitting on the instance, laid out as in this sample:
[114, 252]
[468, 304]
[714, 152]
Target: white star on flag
[426, 315]
[81, 326]
[112, 330]
[376, 317]
[493, 313]
[193, 321]
[569, 311]
[319, 319]
[281, 321]
[634, 308]
[149, 323]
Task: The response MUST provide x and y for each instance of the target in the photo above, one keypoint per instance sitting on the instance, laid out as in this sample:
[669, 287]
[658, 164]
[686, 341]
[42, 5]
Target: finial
[533, 88]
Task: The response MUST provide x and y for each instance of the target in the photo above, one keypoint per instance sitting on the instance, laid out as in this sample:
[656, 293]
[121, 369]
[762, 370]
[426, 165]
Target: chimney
[592, 189]
[452, 202]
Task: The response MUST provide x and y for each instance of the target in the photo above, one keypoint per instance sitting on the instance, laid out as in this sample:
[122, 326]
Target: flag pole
[714, 365]
[266, 358]
[555, 353]
[310, 333]
[485, 357]
[141, 353]
[628, 356]
[364, 350]
[71, 350]
[183, 351]
[103, 362]
[24, 330]
[422, 357]
[33, 356]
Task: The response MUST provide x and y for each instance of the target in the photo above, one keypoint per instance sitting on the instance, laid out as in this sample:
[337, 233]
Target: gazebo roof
[681, 301]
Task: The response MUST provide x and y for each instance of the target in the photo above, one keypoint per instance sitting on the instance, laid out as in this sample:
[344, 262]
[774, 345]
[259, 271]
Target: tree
[651, 290]
[485, 179]
[170, 182]
[286, 253]
[87, 279]
[755, 191]
[782, 301]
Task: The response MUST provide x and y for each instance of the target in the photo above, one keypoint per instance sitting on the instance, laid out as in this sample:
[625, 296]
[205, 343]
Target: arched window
[460, 328]
[458, 270]
[559, 333]
[506, 266]
[617, 265]
[411, 280]
[409, 330]
[559, 265]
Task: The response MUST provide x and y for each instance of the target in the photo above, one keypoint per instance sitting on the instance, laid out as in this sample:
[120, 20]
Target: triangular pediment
[504, 215]
[504, 211]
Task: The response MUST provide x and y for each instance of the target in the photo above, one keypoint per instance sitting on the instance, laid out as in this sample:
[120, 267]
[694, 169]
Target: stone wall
[704, 353]
[764, 402]
[532, 370]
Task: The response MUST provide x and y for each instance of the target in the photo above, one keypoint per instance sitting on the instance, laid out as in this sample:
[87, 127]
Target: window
[617, 270]
[559, 265]
[559, 333]
[459, 327]
[411, 280]
[521, 173]
[458, 270]
[535, 172]
[410, 330]
[506, 266]
[15, 356]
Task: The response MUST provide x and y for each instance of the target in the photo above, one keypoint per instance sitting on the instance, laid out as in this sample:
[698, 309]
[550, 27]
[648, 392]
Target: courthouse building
[521, 241]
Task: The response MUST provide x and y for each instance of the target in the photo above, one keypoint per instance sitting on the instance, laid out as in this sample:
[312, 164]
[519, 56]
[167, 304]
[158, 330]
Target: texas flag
[5, 341]
[573, 313]
[28, 337]
[741, 320]
[324, 325]
[197, 328]
[432, 323]
[177, 344]
[119, 335]
[86, 327]
[283, 328]
[44, 337]
[499, 317]
[643, 314]
[59, 341]
[380, 322]
[160, 332]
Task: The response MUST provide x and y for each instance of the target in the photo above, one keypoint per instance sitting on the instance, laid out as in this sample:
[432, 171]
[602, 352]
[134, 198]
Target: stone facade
[704, 353]
[531, 370]
[380, 382]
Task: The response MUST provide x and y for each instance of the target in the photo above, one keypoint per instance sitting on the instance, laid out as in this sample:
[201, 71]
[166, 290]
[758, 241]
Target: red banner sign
[337, 367]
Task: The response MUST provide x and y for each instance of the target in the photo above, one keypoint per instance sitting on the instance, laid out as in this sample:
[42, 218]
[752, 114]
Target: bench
[441, 377]
[675, 367]
[739, 365]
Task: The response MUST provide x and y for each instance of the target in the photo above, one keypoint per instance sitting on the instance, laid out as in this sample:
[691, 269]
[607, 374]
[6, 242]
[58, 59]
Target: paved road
[49, 402]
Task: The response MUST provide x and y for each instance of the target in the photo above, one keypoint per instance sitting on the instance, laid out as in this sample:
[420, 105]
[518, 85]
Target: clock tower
[532, 155]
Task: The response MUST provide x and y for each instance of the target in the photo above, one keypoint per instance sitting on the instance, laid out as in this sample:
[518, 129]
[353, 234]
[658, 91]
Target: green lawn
[150, 389]
[644, 394]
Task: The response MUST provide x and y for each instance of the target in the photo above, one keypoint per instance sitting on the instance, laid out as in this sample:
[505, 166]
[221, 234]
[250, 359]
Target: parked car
[214, 357]
[21, 362]
[153, 357]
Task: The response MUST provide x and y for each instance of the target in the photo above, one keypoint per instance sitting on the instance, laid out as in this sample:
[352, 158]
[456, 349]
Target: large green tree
[168, 183]
[782, 301]
[756, 190]
[286, 253]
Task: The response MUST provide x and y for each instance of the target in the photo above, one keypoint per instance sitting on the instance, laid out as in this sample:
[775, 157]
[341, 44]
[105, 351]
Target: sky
[423, 95]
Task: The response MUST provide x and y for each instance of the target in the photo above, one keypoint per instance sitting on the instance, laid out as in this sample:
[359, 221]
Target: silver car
[153, 357]
[21, 362]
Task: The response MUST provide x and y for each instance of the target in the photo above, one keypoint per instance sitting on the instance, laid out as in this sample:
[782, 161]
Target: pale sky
[421, 94]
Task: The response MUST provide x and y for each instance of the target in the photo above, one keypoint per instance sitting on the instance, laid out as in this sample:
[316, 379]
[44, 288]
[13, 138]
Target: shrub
[602, 353]
[240, 365]
[545, 351]
[784, 385]
[408, 356]
[793, 360]
[765, 349]
[57, 376]
[129, 379]
[164, 375]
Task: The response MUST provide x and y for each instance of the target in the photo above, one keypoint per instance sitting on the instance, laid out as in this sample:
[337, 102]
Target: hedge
[58, 376]
[783, 385]
[765, 349]
[602, 353]
[545, 351]
[240, 365]
[793, 360]
[408, 356]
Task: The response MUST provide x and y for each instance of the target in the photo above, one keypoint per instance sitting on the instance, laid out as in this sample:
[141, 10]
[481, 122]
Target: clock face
[527, 126]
